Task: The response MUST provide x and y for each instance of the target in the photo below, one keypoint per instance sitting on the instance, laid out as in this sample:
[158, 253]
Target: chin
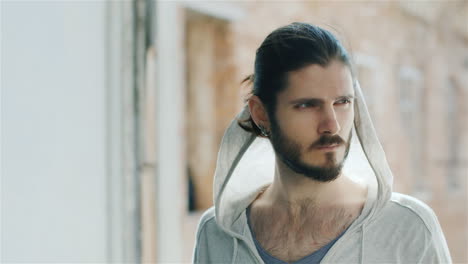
[326, 160]
[323, 165]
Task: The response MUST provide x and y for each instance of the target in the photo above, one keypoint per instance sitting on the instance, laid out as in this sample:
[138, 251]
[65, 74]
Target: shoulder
[411, 208]
[420, 217]
[207, 217]
[407, 216]
[212, 243]
[208, 228]
[411, 229]
[404, 214]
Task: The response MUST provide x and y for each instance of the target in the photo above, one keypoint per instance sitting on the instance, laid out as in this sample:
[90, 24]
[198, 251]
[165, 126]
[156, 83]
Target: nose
[329, 123]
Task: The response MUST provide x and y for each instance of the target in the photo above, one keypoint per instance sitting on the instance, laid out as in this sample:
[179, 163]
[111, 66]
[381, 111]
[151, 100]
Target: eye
[343, 101]
[304, 105]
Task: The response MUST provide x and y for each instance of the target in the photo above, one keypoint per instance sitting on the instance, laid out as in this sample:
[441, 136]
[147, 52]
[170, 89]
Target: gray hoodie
[392, 227]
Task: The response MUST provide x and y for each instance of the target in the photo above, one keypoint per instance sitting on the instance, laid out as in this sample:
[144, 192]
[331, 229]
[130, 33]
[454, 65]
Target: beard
[289, 152]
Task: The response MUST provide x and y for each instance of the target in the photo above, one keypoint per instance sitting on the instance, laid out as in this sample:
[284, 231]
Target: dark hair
[287, 49]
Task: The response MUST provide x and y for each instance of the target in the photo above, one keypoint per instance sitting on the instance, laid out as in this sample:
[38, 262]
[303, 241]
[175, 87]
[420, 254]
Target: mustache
[327, 140]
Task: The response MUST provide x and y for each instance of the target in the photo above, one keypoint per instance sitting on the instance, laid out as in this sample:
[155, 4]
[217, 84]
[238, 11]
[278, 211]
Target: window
[211, 101]
[412, 97]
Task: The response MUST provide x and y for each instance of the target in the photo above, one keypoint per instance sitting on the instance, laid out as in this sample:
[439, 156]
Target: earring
[264, 132]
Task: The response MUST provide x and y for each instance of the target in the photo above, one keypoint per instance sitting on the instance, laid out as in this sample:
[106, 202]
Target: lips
[328, 147]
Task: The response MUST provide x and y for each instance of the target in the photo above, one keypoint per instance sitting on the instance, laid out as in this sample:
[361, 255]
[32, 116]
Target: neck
[291, 189]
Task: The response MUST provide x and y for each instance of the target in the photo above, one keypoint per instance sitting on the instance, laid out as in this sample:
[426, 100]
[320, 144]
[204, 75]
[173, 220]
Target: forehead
[315, 81]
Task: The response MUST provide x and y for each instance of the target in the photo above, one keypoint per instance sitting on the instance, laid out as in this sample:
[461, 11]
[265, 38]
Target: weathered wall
[54, 192]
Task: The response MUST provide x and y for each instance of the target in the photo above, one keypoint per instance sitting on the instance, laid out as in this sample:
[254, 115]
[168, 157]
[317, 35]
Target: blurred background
[112, 113]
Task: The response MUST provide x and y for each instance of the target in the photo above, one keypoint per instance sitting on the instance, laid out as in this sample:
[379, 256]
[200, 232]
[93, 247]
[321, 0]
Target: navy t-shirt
[315, 257]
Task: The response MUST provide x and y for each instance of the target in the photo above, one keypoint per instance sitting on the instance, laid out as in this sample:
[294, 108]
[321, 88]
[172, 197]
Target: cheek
[299, 126]
[346, 121]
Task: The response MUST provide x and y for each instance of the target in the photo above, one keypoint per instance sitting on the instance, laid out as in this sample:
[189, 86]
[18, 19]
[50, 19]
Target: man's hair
[287, 49]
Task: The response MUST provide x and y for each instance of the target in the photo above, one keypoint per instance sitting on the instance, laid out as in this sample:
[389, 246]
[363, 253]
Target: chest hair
[292, 234]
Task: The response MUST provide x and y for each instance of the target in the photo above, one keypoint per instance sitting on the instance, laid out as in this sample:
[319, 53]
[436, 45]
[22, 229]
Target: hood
[246, 164]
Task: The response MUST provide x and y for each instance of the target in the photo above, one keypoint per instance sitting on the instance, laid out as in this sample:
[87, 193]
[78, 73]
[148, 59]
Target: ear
[258, 112]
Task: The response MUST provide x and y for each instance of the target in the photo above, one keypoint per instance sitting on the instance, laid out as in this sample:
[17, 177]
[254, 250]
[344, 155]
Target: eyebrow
[320, 101]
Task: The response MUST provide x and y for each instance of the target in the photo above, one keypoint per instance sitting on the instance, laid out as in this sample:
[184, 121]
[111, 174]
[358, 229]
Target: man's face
[314, 111]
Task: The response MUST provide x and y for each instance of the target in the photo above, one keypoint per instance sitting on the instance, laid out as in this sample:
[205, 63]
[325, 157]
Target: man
[303, 207]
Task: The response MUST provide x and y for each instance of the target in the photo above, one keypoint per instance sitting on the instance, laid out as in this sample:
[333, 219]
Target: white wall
[53, 178]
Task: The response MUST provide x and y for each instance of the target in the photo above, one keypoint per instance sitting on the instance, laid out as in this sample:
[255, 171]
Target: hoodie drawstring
[234, 251]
